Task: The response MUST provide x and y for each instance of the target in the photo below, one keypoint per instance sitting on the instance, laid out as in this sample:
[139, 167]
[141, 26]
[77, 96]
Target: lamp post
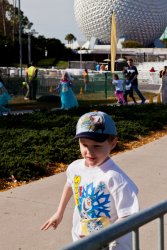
[46, 52]
[20, 37]
[30, 33]
[29, 47]
[80, 58]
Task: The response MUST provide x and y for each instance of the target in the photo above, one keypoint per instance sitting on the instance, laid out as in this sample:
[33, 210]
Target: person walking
[132, 71]
[118, 89]
[128, 90]
[31, 79]
[103, 193]
[102, 67]
[163, 72]
[97, 68]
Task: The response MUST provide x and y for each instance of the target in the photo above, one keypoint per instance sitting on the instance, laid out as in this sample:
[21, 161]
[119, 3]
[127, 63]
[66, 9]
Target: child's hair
[116, 77]
[127, 76]
[111, 138]
[66, 76]
[130, 60]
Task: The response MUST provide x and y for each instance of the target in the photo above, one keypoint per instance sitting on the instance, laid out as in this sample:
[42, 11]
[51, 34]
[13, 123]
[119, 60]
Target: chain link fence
[99, 84]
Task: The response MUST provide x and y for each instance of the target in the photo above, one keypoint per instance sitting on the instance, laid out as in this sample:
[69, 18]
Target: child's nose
[90, 150]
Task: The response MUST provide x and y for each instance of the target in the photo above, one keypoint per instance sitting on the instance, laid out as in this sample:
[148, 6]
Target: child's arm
[57, 89]
[55, 220]
[70, 84]
[113, 82]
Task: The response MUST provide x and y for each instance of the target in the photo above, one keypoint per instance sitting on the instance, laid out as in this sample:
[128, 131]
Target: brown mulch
[60, 167]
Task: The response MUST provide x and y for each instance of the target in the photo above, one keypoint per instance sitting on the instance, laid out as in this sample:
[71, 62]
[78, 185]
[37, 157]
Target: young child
[4, 98]
[85, 79]
[26, 90]
[119, 89]
[68, 99]
[128, 90]
[103, 193]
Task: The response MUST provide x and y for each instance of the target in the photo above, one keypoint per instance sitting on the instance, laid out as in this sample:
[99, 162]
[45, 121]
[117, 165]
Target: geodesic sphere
[140, 20]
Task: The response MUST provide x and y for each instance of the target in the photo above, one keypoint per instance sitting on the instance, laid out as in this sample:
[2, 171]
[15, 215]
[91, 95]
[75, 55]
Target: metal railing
[132, 224]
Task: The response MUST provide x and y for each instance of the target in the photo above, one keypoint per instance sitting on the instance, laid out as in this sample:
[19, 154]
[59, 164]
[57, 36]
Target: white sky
[52, 18]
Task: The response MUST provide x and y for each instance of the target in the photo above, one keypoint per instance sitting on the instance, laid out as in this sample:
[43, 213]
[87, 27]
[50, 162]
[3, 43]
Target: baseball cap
[95, 125]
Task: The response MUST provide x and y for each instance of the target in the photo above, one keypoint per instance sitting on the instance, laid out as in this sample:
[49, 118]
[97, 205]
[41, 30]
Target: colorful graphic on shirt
[93, 205]
[77, 180]
[91, 225]
[93, 201]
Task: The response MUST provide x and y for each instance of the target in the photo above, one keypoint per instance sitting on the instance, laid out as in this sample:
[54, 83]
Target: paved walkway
[24, 209]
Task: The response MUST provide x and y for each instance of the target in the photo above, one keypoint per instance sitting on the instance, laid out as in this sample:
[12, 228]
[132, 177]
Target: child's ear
[114, 143]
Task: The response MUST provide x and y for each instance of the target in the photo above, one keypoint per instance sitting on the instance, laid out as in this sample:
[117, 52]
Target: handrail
[102, 238]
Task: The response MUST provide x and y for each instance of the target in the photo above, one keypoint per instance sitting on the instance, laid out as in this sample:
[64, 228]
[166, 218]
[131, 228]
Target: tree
[164, 41]
[9, 39]
[131, 44]
[70, 38]
[3, 20]
[9, 19]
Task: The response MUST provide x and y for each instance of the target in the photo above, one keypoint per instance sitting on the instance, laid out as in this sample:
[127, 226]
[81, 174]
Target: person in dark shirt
[132, 72]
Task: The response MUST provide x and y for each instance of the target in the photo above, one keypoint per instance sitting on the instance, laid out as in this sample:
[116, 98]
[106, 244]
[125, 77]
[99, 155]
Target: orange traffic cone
[51, 89]
[81, 91]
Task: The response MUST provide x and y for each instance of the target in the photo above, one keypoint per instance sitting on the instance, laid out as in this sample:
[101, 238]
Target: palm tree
[3, 4]
[70, 38]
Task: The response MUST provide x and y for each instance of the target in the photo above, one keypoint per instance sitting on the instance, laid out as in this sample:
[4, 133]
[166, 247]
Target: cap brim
[93, 136]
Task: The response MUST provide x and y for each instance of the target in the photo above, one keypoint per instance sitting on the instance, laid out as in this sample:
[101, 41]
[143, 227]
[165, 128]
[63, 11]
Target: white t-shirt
[102, 195]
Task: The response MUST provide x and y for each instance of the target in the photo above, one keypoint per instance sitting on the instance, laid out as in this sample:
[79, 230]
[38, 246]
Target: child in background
[68, 99]
[119, 89]
[85, 79]
[103, 193]
[128, 89]
[26, 90]
[4, 96]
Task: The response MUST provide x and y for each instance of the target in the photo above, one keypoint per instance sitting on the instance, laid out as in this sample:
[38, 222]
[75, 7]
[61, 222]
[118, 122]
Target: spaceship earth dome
[140, 20]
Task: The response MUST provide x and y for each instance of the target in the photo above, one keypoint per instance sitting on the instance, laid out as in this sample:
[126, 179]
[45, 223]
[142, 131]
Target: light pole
[20, 37]
[29, 47]
[46, 52]
[80, 56]
[31, 32]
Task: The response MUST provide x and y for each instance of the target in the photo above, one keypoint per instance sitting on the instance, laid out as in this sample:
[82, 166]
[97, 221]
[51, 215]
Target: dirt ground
[18, 103]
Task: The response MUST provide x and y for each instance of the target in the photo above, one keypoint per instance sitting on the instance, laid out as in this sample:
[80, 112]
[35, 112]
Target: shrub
[30, 142]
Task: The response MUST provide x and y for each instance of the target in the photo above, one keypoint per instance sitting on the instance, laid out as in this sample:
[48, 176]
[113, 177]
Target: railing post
[164, 89]
[105, 84]
[135, 239]
[161, 233]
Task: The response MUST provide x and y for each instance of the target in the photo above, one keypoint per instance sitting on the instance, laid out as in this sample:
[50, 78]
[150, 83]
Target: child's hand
[54, 221]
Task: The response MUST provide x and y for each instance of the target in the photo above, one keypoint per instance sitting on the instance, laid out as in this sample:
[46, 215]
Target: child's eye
[97, 146]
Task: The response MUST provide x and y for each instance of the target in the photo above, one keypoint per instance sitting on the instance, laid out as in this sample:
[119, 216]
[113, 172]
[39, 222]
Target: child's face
[64, 76]
[95, 153]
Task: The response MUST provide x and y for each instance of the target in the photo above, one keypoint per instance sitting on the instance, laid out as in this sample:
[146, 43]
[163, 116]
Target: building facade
[141, 20]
